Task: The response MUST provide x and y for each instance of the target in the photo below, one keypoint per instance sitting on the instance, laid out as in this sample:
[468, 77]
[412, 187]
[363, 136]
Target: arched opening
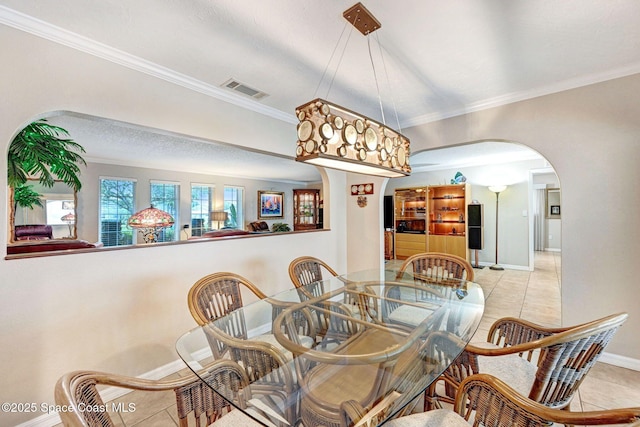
[521, 206]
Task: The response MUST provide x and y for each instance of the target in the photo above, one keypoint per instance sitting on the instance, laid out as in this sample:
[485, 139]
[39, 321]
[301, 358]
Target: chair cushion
[235, 418]
[436, 418]
[409, 315]
[512, 369]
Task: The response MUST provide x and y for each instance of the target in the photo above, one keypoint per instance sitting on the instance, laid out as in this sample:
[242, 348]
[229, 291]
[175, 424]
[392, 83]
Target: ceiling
[433, 59]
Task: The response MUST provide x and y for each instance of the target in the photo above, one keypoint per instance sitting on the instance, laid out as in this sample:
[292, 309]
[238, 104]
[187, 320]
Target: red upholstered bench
[31, 246]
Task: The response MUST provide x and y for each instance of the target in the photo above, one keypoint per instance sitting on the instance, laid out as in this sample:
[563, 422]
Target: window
[164, 196]
[201, 207]
[233, 202]
[116, 206]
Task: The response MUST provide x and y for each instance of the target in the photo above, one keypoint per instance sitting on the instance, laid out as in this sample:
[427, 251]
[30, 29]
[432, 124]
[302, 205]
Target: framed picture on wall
[270, 204]
[553, 203]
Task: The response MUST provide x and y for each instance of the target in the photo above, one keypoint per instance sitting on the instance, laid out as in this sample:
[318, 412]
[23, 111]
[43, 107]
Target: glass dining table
[357, 349]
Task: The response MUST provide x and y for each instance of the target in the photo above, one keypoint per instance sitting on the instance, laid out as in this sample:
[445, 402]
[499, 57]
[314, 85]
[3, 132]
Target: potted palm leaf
[44, 152]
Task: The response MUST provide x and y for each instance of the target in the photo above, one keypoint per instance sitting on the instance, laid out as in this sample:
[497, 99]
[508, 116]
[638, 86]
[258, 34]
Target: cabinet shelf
[447, 219]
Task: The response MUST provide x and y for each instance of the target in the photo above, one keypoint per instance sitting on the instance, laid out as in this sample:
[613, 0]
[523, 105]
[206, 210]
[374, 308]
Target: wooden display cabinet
[447, 205]
[410, 221]
[306, 204]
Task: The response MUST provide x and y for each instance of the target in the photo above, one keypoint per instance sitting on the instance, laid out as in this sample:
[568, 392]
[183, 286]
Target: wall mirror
[146, 155]
[553, 203]
[57, 215]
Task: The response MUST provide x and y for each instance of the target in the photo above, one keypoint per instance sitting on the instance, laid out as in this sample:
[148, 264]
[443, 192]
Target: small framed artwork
[553, 203]
[270, 204]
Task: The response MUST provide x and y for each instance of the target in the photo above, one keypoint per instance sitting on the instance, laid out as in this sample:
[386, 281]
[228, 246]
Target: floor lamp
[497, 189]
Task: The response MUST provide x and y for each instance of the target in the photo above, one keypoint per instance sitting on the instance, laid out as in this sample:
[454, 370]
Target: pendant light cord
[331, 59]
[393, 102]
[375, 77]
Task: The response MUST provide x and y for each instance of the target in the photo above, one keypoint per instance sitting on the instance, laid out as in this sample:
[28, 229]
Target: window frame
[176, 201]
[198, 231]
[238, 203]
[124, 228]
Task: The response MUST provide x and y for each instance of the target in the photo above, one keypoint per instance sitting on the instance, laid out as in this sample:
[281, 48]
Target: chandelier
[335, 137]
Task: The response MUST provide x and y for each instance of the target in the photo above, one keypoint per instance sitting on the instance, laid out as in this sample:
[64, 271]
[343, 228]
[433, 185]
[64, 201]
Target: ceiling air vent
[244, 89]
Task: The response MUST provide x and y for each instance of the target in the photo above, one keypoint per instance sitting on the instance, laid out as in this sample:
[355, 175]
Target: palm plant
[42, 151]
[25, 196]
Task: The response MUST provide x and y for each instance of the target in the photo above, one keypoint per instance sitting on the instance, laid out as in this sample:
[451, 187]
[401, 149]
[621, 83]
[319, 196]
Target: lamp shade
[497, 188]
[334, 137]
[150, 218]
[219, 216]
[70, 217]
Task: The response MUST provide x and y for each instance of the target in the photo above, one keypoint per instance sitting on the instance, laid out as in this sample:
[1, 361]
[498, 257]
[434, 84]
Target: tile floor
[531, 295]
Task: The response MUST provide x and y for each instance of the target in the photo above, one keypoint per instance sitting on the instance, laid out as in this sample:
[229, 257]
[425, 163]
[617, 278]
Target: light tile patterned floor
[531, 295]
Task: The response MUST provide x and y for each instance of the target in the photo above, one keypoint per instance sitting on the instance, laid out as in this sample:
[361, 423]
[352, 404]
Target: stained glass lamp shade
[149, 222]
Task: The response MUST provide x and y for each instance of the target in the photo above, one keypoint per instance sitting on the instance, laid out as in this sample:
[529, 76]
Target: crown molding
[513, 97]
[45, 30]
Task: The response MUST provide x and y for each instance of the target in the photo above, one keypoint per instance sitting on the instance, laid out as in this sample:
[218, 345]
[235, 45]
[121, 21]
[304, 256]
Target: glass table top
[367, 337]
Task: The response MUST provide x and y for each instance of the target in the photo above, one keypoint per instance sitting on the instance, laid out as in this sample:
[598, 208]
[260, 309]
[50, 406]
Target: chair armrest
[476, 350]
[511, 331]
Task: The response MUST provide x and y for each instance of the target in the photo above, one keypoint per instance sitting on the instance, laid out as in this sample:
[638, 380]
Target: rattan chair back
[217, 295]
[306, 274]
[437, 265]
[268, 368]
[564, 357]
[78, 390]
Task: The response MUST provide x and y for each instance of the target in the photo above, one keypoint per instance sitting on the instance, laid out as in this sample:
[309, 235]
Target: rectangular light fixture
[334, 137]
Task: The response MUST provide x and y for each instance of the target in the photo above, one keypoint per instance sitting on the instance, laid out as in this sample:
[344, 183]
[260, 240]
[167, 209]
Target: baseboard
[620, 361]
[505, 266]
[552, 250]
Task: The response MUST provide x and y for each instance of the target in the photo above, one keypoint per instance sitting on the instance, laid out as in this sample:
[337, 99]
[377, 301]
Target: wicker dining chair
[271, 372]
[484, 400]
[437, 265]
[545, 364]
[219, 294]
[437, 275]
[78, 390]
[306, 273]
